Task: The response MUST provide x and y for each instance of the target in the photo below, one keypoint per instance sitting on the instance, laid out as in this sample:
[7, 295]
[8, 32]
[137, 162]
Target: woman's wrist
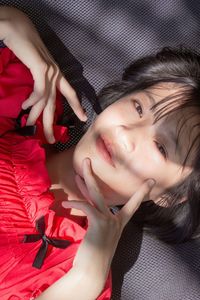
[5, 22]
[76, 284]
[20, 35]
[95, 260]
[13, 25]
[10, 14]
[95, 269]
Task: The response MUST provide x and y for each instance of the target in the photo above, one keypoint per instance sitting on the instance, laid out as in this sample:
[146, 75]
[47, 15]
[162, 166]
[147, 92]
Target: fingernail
[65, 204]
[24, 107]
[84, 118]
[151, 183]
[52, 140]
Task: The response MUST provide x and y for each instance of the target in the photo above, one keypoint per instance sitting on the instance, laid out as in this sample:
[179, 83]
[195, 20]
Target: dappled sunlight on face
[126, 146]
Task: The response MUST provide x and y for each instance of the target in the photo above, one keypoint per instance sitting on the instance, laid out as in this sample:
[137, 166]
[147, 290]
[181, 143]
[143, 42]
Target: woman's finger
[92, 187]
[32, 100]
[134, 202]
[71, 96]
[48, 118]
[48, 114]
[39, 91]
[39, 79]
[83, 189]
[35, 112]
[89, 210]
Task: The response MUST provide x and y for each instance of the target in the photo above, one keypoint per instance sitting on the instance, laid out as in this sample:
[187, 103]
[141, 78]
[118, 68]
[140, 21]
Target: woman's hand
[104, 228]
[87, 277]
[20, 35]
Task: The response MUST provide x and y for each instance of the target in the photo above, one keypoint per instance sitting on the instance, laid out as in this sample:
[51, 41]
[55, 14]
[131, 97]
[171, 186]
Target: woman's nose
[124, 139]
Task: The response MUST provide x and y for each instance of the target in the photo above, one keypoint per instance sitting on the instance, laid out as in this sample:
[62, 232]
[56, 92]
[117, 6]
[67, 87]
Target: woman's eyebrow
[150, 98]
[173, 140]
[170, 136]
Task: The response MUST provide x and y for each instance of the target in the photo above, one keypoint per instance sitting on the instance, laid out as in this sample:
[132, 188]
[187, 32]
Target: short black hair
[178, 222]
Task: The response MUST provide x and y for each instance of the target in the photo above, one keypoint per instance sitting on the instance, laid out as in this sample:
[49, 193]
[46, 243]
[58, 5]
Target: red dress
[37, 246]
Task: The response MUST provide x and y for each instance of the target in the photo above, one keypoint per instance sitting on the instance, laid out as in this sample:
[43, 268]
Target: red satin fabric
[25, 196]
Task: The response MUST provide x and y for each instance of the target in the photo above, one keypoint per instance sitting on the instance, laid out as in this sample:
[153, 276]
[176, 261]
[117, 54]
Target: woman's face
[126, 147]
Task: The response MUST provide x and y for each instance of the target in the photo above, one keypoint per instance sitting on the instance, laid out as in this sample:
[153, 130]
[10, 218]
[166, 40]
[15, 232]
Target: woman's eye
[139, 109]
[161, 149]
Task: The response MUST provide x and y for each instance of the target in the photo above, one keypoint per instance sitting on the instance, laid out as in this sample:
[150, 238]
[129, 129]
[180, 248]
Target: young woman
[144, 145]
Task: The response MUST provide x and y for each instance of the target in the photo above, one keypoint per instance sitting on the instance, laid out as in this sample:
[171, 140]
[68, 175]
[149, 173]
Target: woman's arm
[92, 263]
[19, 34]
[75, 285]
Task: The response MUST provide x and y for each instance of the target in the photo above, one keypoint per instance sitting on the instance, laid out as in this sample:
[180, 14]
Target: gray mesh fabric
[92, 42]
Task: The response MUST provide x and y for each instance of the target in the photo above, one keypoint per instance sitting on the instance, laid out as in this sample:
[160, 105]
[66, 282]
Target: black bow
[30, 238]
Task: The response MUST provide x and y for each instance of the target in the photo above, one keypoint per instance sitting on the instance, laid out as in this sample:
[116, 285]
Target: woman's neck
[62, 176]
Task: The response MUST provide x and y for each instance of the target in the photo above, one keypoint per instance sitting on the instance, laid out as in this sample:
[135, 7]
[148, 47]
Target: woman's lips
[104, 150]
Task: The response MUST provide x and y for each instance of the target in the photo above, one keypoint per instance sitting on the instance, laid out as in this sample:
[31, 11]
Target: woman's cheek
[145, 166]
[148, 167]
[126, 181]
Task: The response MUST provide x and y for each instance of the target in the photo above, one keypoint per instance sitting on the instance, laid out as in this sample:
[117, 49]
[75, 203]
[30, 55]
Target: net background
[93, 41]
